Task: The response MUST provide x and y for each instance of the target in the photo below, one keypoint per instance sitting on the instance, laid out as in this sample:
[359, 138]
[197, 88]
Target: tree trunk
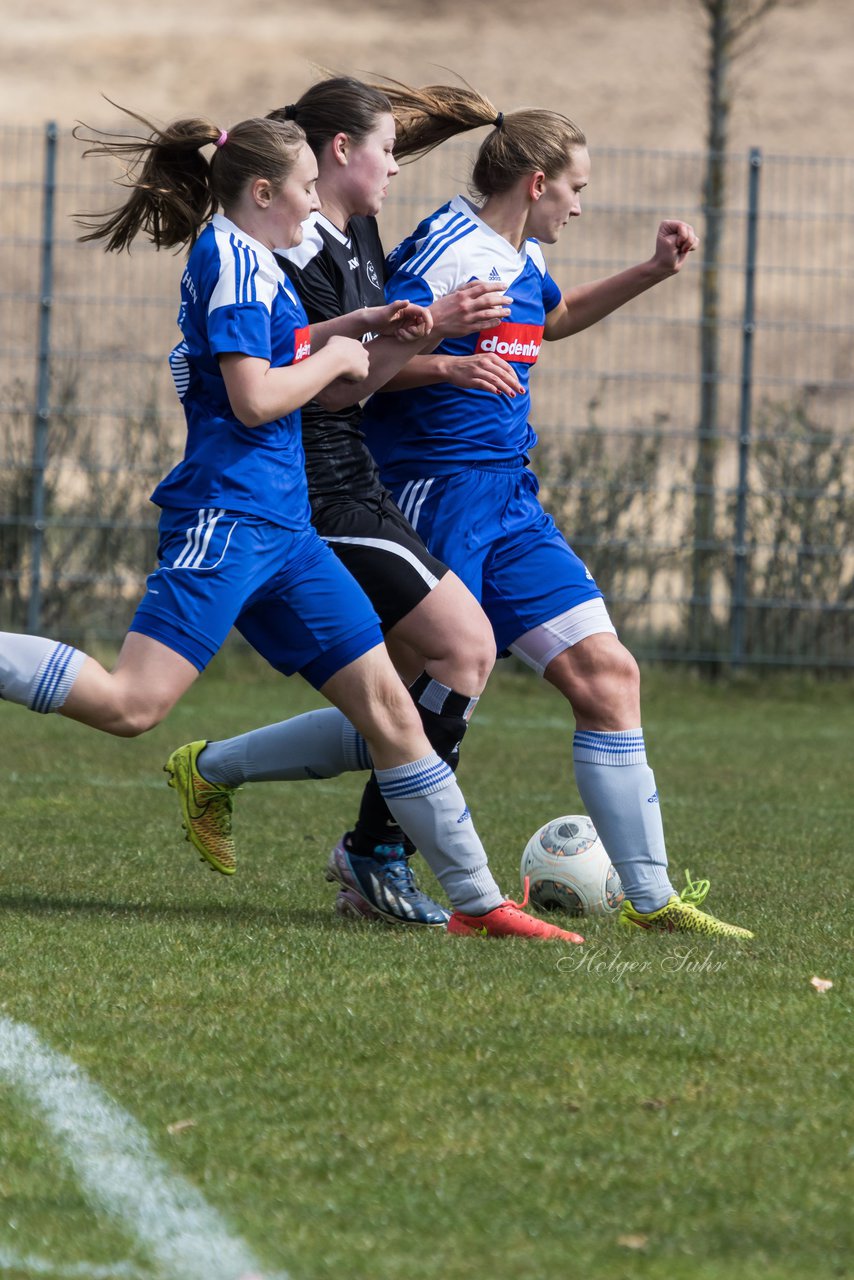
[708, 440]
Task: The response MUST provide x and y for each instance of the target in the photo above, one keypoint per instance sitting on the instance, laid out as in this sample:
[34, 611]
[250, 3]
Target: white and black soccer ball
[569, 869]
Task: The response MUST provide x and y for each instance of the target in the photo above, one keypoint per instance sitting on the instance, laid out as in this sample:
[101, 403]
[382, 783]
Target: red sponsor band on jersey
[302, 343]
[517, 342]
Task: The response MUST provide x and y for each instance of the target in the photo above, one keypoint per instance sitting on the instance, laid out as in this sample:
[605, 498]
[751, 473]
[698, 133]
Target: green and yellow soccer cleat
[682, 914]
[206, 807]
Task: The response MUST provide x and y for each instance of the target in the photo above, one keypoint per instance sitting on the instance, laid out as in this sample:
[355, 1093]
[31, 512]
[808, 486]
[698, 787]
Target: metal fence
[747, 559]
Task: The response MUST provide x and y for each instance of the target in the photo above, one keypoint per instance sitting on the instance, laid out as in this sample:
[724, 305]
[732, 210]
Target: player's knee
[625, 673]
[133, 718]
[474, 653]
[600, 678]
[614, 687]
[603, 657]
[614, 673]
[483, 652]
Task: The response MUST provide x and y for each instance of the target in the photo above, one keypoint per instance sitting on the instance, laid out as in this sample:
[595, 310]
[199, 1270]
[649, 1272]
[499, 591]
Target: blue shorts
[488, 526]
[283, 589]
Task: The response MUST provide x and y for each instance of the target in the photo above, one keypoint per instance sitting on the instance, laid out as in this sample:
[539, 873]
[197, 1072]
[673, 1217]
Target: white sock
[618, 789]
[35, 672]
[319, 744]
[427, 802]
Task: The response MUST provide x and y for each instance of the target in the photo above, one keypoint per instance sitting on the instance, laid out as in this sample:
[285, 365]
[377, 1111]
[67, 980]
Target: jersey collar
[312, 242]
[221, 223]
[341, 236]
[461, 204]
[309, 231]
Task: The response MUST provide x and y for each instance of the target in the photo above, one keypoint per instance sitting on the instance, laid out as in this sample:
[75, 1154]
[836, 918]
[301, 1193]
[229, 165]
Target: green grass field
[362, 1103]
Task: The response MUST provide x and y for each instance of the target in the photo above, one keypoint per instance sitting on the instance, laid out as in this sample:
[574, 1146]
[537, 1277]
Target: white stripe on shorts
[412, 498]
[198, 539]
[395, 549]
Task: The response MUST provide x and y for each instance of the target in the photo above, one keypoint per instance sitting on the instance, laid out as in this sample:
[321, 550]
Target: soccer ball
[569, 869]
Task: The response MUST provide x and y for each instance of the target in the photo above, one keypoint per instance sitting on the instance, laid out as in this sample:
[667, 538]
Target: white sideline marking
[118, 1168]
[71, 1271]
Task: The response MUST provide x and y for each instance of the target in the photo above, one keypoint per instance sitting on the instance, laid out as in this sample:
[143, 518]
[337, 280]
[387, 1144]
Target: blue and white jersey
[235, 298]
[441, 429]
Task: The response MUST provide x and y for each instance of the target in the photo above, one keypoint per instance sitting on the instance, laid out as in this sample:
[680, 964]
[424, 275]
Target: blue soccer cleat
[381, 885]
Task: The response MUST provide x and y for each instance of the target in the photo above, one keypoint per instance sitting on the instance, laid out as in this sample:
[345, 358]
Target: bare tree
[729, 24]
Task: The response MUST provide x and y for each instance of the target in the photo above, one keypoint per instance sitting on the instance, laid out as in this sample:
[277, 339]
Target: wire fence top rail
[700, 455]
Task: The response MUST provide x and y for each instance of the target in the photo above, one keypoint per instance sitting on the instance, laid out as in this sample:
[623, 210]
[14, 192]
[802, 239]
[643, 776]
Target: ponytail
[518, 143]
[174, 189]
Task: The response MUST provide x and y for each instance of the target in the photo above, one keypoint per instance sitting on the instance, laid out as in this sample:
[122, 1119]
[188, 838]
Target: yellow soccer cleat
[206, 807]
[681, 914]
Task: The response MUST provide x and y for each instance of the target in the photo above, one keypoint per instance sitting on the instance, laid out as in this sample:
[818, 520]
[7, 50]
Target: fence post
[738, 604]
[42, 410]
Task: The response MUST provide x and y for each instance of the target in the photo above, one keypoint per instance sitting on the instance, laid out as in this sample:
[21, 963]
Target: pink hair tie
[222, 139]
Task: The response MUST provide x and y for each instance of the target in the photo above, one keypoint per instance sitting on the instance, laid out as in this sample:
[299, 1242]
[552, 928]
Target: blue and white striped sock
[427, 802]
[35, 672]
[618, 790]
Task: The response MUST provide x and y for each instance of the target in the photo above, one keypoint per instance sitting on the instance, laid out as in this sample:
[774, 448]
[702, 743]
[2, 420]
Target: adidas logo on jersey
[494, 274]
[353, 264]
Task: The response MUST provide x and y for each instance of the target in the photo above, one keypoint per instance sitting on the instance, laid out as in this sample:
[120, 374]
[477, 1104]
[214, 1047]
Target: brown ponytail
[518, 143]
[174, 190]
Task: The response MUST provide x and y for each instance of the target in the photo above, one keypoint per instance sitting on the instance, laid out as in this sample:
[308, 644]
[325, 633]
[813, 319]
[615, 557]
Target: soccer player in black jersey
[529, 173]
[436, 632]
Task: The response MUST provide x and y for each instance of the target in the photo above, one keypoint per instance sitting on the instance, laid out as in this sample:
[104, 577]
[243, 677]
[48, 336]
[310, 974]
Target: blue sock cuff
[419, 778]
[56, 674]
[625, 746]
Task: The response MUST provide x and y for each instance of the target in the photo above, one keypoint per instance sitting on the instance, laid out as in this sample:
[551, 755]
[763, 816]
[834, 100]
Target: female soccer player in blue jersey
[236, 543]
[456, 458]
[435, 630]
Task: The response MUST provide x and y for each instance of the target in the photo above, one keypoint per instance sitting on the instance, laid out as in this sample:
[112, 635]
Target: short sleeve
[240, 328]
[412, 288]
[552, 294]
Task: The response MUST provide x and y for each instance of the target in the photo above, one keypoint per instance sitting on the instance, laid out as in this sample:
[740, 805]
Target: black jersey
[334, 273]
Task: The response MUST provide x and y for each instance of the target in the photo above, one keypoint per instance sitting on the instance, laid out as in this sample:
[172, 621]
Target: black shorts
[382, 551]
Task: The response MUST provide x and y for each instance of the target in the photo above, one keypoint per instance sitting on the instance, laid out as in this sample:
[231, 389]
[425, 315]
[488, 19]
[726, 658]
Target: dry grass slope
[631, 73]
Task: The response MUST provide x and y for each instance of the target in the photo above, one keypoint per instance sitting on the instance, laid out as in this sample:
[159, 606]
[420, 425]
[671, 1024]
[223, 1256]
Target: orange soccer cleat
[509, 920]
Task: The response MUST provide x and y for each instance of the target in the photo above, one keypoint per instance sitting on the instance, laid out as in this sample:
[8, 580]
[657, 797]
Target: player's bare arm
[483, 371]
[259, 393]
[586, 304]
[401, 319]
[479, 304]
